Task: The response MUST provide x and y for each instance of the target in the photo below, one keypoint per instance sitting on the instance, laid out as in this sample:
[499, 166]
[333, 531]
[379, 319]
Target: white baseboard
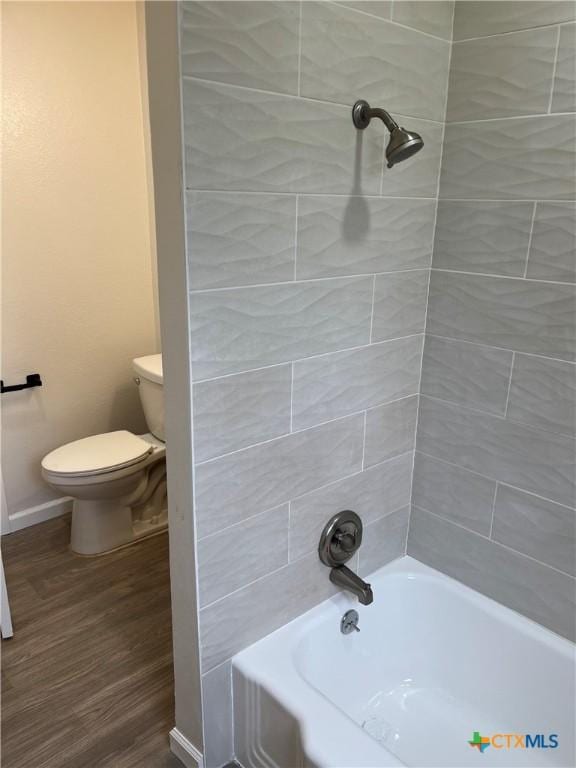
[184, 750]
[38, 514]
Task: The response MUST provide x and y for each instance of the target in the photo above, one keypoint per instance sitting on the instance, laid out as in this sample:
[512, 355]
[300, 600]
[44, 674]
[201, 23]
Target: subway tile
[502, 76]
[432, 17]
[344, 382]
[417, 176]
[243, 553]
[218, 716]
[240, 485]
[543, 394]
[383, 541]
[236, 411]
[358, 235]
[252, 44]
[240, 619]
[564, 96]
[390, 430]
[536, 527]
[522, 315]
[515, 454]
[238, 329]
[372, 494]
[539, 592]
[380, 8]
[345, 54]
[466, 374]
[239, 139]
[527, 158]
[399, 304]
[490, 17]
[239, 239]
[453, 493]
[553, 245]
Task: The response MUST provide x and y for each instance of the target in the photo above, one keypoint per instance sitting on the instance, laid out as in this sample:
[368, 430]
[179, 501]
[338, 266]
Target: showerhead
[402, 144]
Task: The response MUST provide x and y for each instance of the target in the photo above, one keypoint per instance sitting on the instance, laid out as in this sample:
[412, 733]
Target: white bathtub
[434, 662]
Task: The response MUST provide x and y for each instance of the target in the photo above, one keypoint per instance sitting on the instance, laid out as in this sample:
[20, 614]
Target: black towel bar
[32, 380]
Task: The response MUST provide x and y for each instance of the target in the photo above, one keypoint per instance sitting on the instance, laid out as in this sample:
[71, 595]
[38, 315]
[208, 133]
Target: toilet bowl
[117, 479]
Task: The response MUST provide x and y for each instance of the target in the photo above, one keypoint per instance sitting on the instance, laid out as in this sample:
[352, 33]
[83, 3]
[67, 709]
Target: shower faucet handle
[340, 539]
[346, 540]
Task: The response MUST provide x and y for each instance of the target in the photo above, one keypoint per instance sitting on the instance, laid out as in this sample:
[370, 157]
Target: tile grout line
[554, 70]
[489, 274]
[372, 311]
[508, 117]
[364, 442]
[291, 397]
[492, 511]
[300, 15]
[296, 214]
[516, 31]
[510, 385]
[532, 220]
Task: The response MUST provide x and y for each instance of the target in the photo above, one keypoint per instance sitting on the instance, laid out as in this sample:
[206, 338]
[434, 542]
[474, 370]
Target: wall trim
[39, 514]
[185, 750]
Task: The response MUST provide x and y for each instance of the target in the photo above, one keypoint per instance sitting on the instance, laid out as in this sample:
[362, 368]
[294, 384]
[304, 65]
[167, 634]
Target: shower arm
[362, 113]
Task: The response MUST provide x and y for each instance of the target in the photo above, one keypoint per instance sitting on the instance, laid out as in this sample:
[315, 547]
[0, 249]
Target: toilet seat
[97, 455]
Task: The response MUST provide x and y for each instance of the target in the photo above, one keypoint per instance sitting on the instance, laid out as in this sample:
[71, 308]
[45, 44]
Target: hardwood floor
[87, 678]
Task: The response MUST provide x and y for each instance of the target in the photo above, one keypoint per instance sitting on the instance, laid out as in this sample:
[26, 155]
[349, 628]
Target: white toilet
[117, 479]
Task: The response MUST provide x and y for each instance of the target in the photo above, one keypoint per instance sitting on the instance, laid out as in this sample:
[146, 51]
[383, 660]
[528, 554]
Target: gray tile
[433, 17]
[240, 485]
[240, 410]
[346, 54]
[238, 329]
[399, 304]
[238, 139]
[534, 590]
[218, 716]
[390, 430]
[242, 618]
[344, 382]
[528, 158]
[418, 176]
[537, 461]
[502, 76]
[357, 235]
[564, 96]
[239, 239]
[380, 8]
[383, 541]
[473, 19]
[371, 494]
[553, 246]
[522, 315]
[474, 236]
[453, 493]
[466, 374]
[536, 527]
[543, 394]
[252, 44]
[243, 553]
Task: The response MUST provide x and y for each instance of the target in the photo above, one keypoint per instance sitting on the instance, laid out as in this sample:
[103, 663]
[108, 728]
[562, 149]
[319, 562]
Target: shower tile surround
[309, 264]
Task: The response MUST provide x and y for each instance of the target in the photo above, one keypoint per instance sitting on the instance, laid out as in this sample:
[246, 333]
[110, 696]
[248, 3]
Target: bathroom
[367, 326]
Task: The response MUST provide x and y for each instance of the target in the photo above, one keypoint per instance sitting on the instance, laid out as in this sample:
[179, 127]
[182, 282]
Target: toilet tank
[150, 386]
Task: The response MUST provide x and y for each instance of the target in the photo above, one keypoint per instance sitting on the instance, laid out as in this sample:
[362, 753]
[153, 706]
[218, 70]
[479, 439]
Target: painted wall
[77, 300]
[308, 269]
[494, 480]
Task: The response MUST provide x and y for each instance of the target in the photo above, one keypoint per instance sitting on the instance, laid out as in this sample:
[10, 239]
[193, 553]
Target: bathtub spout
[347, 579]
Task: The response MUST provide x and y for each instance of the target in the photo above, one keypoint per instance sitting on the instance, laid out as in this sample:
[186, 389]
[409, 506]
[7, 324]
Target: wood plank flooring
[87, 678]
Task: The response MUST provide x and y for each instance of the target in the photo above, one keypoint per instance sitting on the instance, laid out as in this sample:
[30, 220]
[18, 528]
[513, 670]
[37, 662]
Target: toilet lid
[98, 453]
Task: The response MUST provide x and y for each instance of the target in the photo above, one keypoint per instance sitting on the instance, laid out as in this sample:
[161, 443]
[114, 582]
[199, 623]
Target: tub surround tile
[238, 329]
[553, 244]
[518, 582]
[543, 394]
[381, 8]
[372, 494]
[521, 315]
[236, 411]
[357, 235]
[536, 527]
[491, 17]
[417, 176]
[390, 430]
[239, 239]
[515, 454]
[487, 237]
[399, 304]
[435, 18]
[335, 385]
[241, 554]
[253, 480]
[383, 541]
[564, 97]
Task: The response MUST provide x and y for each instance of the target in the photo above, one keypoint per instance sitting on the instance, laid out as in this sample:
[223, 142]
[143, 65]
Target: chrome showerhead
[402, 144]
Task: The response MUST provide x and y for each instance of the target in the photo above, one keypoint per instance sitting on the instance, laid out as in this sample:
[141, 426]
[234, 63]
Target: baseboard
[184, 750]
[38, 514]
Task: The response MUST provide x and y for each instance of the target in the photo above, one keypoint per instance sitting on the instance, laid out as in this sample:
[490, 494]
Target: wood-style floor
[87, 678]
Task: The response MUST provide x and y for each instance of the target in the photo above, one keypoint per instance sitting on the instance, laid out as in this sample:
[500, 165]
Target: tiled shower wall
[308, 270]
[494, 475]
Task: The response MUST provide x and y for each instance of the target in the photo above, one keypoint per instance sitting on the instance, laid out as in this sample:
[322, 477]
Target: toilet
[117, 479]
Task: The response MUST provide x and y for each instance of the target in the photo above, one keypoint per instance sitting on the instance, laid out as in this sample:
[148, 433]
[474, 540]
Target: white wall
[78, 286]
